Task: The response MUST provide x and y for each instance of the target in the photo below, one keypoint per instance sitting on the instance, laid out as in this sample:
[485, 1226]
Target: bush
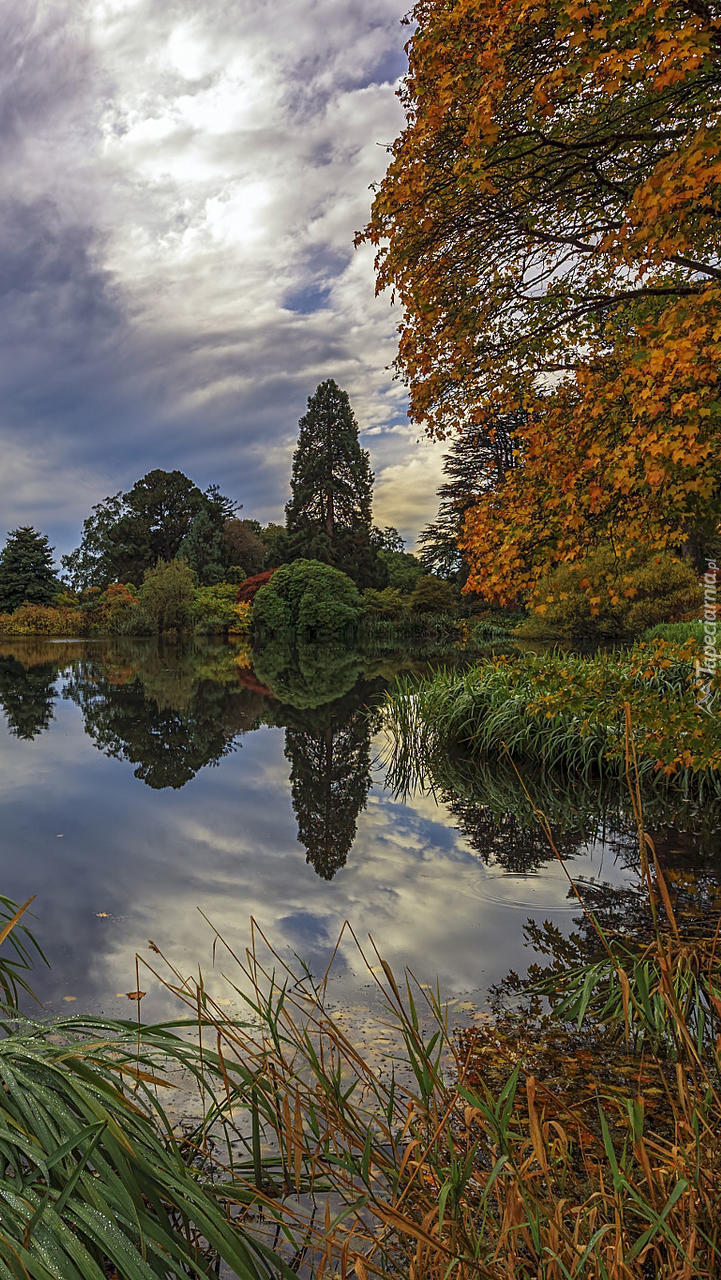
[167, 595]
[433, 595]
[115, 611]
[215, 609]
[43, 620]
[601, 597]
[310, 599]
[388, 603]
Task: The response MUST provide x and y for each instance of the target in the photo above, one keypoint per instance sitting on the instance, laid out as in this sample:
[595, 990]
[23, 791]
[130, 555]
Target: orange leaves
[550, 225]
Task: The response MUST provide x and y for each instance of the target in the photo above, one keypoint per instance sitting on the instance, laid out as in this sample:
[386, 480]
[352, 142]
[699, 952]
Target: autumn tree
[26, 570]
[328, 516]
[549, 223]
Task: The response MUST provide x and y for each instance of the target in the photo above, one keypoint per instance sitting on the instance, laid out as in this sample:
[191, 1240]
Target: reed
[564, 713]
[457, 1159]
[94, 1181]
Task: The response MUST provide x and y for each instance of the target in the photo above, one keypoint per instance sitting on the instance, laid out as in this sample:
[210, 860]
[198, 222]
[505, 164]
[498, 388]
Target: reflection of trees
[329, 778]
[505, 840]
[170, 718]
[498, 811]
[27, 694]
[330, 757]
[306, 675]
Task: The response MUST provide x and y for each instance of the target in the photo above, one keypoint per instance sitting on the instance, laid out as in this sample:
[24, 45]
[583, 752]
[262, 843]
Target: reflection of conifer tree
[504, 840]
[168, 743]
[27, 695]
[330, 779]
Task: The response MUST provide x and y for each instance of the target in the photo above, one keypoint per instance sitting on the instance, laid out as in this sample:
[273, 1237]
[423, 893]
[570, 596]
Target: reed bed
[564, 713]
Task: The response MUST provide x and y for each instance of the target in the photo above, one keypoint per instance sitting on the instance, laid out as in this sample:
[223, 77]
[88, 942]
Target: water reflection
[170, 716]
[330, 777]
[262, 794]
[27, 695]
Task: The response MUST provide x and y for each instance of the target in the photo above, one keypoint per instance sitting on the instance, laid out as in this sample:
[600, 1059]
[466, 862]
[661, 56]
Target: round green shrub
[308, 599]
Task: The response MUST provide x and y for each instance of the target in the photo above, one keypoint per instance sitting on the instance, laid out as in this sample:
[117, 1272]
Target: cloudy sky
[181, 182]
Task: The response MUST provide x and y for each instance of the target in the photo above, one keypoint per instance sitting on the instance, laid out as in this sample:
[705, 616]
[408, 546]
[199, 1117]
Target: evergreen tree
[26, 570]
[330, 778]
[328, 517]
[202, 548]
[477, 460]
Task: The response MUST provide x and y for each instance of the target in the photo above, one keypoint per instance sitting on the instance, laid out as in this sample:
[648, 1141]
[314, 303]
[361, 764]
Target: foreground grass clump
[566, 712]
[94, 1183]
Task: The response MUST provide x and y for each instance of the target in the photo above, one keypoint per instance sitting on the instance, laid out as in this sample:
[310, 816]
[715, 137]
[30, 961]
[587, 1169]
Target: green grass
[563, 712]
[94, 1180]
[91, 1172]
[676, 632]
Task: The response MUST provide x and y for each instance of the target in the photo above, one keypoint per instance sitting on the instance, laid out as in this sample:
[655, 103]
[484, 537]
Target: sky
[181, 181]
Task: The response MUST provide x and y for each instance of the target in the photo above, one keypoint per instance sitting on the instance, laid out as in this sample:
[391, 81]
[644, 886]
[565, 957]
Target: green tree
[26, 569]
[91, 564]
[129, 532]
[478, 460]
[403, 569]
[243, 545]
[276, 540]
[167, 595]
[308, 600]
[202, 548]
[328, 516]
[387, 539]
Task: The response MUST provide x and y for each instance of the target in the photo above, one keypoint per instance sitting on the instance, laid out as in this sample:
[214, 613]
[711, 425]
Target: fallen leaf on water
[102, 915]
[69, 999]
[135, 995]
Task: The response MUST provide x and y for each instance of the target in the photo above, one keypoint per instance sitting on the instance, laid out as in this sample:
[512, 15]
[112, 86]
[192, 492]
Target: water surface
[142, 785]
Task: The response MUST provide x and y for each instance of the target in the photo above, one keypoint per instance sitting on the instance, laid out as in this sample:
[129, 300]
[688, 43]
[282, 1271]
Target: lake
[145, 784]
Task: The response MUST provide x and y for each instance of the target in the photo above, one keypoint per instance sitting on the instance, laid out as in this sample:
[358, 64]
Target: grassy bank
[566, 712]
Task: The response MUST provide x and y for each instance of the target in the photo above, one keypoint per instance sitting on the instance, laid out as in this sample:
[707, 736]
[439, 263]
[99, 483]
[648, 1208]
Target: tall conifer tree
[329, 513]
[477, 460]
[26, 570]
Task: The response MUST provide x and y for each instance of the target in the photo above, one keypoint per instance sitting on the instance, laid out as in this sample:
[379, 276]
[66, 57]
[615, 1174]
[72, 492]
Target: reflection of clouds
[226, 845]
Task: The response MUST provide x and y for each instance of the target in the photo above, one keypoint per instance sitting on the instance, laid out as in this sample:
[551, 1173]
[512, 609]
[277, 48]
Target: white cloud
[210, 164]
